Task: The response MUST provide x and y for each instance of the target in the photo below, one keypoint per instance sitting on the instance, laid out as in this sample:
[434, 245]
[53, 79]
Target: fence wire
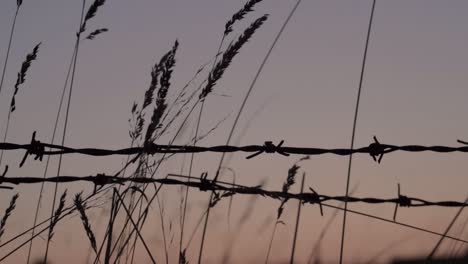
[224, 189]
[376, 150]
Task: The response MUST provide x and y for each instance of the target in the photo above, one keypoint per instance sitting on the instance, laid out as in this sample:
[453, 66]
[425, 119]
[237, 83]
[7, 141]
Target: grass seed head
[239, 15]
[7, 214]
[80, 206]
[22, 74]
[231, 51]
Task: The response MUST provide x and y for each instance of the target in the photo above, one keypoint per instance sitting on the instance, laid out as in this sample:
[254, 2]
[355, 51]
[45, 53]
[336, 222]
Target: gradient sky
[413, 93]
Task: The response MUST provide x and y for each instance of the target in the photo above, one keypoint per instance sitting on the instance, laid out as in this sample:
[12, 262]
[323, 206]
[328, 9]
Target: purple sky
[413, 93]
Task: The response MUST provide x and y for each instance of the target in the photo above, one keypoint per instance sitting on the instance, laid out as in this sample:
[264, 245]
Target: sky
[413, 93]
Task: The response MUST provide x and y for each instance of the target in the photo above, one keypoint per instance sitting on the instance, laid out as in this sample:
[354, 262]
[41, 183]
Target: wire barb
[269, 147]
[315, 197]
[376, 150]
[402, 201]
[2, 177]
[5, 171]
[204, 182]
[34, 148]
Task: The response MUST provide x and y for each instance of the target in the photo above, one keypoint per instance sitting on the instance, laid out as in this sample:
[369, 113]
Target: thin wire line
[202, 243]
[9, 47]
[184, 211]
[135, 226]
[429, 257]
[397, 223]
[297, 222]
[354, 130]
[3, 74]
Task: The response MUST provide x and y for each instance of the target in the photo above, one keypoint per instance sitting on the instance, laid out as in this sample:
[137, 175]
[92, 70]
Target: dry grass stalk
[165, 67]
[12, 31]
[155, 72]
[72, 72]
[135, 226]
[214, 75]
[8, 212]
[297, 222]
[22, 74]
[91, 13]
[290, 180]
[229, 55]
[240, 15]
[110, 232]
[136, 123]
[80, 206]
[161, 70]
[57, 214]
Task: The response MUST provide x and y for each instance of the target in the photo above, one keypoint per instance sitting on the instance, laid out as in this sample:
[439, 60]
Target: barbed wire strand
[230, 189]
[205, 184]
[376, 150]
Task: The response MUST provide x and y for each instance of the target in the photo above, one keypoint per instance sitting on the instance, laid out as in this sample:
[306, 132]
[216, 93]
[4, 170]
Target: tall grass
[244, 101]
[155, 128]
[160, 83]
[124, 232]
[72, 70]
[21, 78]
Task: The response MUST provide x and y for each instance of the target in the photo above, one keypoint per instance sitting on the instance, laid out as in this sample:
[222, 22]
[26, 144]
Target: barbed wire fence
[220, 189]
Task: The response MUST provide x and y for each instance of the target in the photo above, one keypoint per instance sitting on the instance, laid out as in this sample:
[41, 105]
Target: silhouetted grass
[80, 206]
[166, 114]
[57, 214]
[7, 214]
[21, 78]
[290, 180]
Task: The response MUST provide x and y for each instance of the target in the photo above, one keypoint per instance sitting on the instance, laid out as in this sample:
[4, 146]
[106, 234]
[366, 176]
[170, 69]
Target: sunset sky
[414, 92]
